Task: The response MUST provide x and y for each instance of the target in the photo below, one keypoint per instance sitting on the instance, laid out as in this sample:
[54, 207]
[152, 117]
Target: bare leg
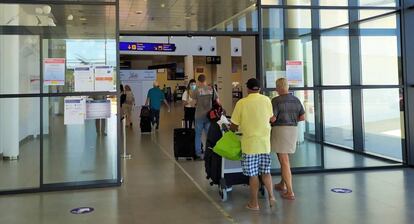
[267, 181]
[286, 174]
[281, 184]
[254, 189]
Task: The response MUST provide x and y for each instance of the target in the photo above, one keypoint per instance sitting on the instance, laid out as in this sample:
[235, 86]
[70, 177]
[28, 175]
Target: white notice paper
[54, 71]
[294, 72]
[98, 109]
[104, 78]
[84, 79]
[74, 111]
[272, 76]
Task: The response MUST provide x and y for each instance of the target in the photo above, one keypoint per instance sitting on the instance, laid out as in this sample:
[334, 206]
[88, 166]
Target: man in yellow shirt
[252, 116]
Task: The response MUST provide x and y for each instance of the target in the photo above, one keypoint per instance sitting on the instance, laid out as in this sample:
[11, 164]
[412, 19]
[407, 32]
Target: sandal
[288, 196]
[279, 187]
[252, 208]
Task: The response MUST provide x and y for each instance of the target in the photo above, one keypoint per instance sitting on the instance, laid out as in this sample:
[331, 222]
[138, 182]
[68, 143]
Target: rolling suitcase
[145, 121]
[212, 161]
[184, 143]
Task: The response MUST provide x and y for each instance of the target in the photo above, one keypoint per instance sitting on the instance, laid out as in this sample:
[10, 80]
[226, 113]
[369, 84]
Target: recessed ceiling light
[187, 17]
[138, 12]
[162, 5]
[70, 17]
[83, 19]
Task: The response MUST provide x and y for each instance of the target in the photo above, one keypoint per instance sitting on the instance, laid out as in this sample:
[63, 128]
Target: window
[335, 60]
[383, 122]
[337, 111]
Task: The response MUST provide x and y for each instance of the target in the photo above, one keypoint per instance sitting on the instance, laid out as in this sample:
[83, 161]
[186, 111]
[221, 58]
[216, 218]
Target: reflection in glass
[368, 13]
[378, 3]
[333, 2]
[19, 64]
[331, 18]
[299, 18]
[387, 22]
[335, 60]
[337, 114]
[383, 122]
[19, 139]
[78, 152]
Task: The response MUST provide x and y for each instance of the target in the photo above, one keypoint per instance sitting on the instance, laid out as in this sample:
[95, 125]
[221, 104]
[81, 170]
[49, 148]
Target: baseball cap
[253, 84]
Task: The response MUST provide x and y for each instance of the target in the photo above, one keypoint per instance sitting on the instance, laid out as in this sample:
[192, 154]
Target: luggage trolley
[231, 172]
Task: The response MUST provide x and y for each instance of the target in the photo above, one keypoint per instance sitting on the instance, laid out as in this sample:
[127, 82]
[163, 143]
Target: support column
[224, 80]
[189, 67]
[248, 61]
[407, 24]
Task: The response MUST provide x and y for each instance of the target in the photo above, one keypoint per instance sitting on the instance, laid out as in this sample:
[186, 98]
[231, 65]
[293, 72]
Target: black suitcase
[145, 121]
[212, 161]
[184, 143]
[145, 124]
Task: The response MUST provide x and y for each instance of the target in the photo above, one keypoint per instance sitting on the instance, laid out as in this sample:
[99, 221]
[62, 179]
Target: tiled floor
[157, 189]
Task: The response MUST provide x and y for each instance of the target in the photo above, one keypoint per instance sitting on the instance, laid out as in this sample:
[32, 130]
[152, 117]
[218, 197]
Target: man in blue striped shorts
[252, 116]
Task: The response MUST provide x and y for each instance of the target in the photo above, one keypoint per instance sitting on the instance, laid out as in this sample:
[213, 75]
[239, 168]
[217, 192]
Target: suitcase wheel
[223, 193]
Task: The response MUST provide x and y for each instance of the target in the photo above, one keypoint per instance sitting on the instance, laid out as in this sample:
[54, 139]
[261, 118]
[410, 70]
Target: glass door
[19, 114]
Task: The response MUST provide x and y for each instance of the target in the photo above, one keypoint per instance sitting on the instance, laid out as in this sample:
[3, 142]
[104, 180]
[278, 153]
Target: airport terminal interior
[69, 153]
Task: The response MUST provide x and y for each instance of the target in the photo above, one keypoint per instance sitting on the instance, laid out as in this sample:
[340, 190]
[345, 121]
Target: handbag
[229, 146]
[215, 113]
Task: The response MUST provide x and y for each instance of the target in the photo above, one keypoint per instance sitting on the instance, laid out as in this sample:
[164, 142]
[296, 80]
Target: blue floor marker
[81, 210]
[341, 190]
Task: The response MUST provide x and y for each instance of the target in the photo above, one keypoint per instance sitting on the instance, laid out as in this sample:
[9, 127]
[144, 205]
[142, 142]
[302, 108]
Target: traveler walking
[154, 98]
[129, 104]
[189, 104]
[252, 117]
[288, 111]
[203, 97]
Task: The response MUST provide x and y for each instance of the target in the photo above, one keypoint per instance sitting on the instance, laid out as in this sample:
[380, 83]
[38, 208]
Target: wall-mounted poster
[294, 72]
[84, 79]
[74, 110]
[104, 80]
[54, 71]
[98, 109]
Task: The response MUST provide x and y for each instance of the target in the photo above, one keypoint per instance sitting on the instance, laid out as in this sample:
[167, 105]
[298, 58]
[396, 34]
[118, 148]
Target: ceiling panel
[178, 15]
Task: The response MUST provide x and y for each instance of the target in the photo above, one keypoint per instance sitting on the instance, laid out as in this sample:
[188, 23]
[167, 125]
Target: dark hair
[121, 87]
[189, 83]
[201, 78]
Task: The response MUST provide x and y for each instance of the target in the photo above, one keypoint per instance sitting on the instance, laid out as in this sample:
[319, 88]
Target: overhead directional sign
[138, 46]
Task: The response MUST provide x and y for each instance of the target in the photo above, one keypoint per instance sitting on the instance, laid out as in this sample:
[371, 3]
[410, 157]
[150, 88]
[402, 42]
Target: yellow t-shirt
[252, 114]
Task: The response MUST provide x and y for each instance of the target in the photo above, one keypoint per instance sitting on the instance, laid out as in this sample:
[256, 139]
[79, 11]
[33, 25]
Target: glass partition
[53, 113]
[340, 56]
